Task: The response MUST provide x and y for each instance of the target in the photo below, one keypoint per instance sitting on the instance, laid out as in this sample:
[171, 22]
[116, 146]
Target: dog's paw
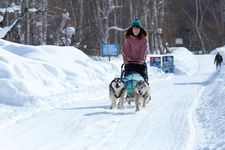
[148, 100]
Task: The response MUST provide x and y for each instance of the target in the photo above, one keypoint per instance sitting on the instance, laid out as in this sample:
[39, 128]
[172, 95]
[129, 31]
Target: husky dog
[142, 94]
[117, 93]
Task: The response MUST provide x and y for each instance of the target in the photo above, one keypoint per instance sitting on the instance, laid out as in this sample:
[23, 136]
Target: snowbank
[210, 111]
[29, 72]
[185, 62]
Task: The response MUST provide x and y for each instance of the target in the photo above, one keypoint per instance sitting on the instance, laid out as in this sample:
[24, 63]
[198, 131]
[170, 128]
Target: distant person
[135, 46]
[218, 60]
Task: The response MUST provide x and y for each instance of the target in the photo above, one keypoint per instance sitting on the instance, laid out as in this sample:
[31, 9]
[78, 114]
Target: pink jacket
[135, 49]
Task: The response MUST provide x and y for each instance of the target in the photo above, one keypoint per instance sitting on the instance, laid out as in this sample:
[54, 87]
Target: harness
[143, 95]
[114, 92]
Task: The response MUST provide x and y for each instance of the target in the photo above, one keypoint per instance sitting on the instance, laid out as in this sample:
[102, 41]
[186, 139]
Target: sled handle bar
[122, 71]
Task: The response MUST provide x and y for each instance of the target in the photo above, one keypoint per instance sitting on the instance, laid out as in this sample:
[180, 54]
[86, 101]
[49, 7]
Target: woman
[135, 47]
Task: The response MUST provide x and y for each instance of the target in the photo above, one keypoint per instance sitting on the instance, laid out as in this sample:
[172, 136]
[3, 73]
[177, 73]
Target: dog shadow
[128, 110]
[85, 107]
[106, 110]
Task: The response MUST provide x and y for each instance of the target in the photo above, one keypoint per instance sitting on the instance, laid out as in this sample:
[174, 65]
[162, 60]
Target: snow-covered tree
[61, 34]
[14, 11]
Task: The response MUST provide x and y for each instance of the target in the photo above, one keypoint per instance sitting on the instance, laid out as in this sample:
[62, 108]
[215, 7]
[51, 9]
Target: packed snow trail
[165, 124]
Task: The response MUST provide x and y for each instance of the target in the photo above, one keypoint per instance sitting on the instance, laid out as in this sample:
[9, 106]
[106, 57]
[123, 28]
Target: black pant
[139, 68]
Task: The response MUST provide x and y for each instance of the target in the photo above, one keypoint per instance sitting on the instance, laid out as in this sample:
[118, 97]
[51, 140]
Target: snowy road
[165, 124]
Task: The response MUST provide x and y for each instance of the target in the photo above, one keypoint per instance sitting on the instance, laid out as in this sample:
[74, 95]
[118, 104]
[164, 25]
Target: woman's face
[136, 30]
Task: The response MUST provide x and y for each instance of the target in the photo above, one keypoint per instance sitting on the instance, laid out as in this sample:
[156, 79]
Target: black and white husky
[117, 93]
[142, 94]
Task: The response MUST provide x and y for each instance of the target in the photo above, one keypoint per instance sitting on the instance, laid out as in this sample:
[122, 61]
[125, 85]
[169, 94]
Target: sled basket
[130, 82]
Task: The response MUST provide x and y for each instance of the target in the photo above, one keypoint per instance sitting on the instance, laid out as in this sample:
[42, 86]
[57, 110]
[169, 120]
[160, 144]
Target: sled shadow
[85, 107]
[106, 110]
[109, 113]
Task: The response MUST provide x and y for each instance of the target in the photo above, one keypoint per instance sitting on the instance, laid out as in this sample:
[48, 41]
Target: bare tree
[98, 21]
[104, 18]
[222, 20]
[197, 20]
[44, 21]
[158, 18]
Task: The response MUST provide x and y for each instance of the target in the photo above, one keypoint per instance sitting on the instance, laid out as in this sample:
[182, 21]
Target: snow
[57, 98]
[3, 10]
[1, 18]
[32, 10]
[5, 30]
[69, 31]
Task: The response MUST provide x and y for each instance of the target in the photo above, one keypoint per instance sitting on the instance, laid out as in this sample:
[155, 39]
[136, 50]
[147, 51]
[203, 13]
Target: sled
[130, 81]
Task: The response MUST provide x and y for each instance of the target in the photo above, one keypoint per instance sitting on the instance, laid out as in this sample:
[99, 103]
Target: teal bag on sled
[130, 81]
